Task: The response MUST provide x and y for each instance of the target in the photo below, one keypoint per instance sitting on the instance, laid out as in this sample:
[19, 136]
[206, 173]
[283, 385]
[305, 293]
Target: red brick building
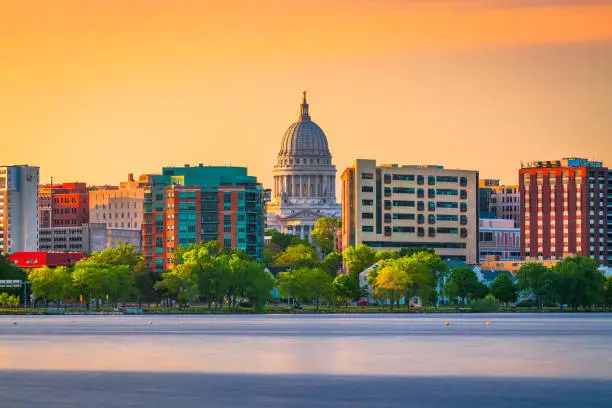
[63, 205]
[564, 209]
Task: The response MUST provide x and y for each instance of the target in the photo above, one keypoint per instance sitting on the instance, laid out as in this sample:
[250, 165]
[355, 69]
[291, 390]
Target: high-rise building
[609, 200]
[63, 205]
[565, 209]
[19, 209]
[304, 179]
[188, 205]
[394, 207]
[120, 209]
[499, 201]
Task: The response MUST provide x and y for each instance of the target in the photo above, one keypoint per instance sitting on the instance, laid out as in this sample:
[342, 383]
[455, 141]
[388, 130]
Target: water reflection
[364, 345]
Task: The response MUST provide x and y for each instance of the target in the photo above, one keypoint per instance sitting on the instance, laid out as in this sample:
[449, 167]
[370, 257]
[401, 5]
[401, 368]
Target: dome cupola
[304, 138]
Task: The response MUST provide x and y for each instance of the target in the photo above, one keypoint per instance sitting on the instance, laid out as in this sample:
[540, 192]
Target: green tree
[258, 285]
[297, 256]
[176, 285]
[463, 285]
[10, 271]
[577, 282]
[504, 289]
[332, 263]
[535, 278]
[122, 255]
[607, 293]
[13, 301]
[437, 270]
[306, 284]
[4, 298]
[283, 241]
[346, 288]
[51, 284]
[324, 234]
[102, 281]
[382, 255]
[358, 259]
[392, 282]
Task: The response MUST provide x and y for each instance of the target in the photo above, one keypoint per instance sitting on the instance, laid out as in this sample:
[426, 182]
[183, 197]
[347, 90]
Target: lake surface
[307, 360]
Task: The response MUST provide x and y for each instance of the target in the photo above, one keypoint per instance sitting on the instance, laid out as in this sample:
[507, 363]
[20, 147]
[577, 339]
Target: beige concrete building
[120, 209]
[398, 206]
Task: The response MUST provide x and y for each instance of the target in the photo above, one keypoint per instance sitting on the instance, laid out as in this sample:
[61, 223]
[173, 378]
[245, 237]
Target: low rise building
[500, 238]
[87, 238]
[30, 260]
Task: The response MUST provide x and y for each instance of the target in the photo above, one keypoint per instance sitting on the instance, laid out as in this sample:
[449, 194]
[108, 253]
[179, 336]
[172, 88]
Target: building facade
[565, 209]
[394, 207]
[499, 201]
[120, 209]
[19, 209]
[499, 238]
[87, 238]
[304, 179]
[188, 205]
[63, 205]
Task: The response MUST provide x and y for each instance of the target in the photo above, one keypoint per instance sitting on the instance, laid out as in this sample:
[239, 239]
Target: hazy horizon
[95, 90]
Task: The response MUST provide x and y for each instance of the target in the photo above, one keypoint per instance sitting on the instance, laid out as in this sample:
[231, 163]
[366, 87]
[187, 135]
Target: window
[431, 206]
[431, 232]
[367, 189]
[421, 206]
[367, 202]
[420, 219]
[367, 176]
[227, 200]
[447, 230]
[404, 229]
[403, 177]
[464, 233]
[227, 242]
[400, 216]
[431, 180]
[387, 178]
[367, 216]
[446, 179]
[227, 223]
[367, 228]
[447, 217]
[403, 203]
[463, 194]
[463, 182]
[464, 220]
[387, 204]
[421, 232]
[387, 217]
[403, 190]
[431, 193]
[447, 192]
[420, 180]
[442, 204]
[387, 231]
[431, 219]
[420, 193]
[387, 191]
[463, 207]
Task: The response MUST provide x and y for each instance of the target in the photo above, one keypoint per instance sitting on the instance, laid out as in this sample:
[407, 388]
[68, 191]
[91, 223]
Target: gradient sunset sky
[92, 90]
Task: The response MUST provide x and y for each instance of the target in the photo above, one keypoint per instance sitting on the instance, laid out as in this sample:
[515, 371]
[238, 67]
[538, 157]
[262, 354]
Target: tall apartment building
[63, 205]
[565, 209]
[120, 209]
[19, 209]
[188, 205]
[394, 207]
[499, 201]
[609, 200]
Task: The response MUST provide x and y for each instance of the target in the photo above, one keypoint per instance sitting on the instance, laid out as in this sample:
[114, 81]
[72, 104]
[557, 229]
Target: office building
[394, 207]
[63, 205]
[499, 238]
[499, 201]
[565, 209]
[18, 209]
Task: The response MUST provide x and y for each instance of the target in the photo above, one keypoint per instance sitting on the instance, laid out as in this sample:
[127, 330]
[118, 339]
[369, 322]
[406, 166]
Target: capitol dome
[304, 138]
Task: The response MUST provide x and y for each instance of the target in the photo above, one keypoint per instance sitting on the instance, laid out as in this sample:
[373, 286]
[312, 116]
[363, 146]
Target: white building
[304, 179]
[19, 209]
[87, 238]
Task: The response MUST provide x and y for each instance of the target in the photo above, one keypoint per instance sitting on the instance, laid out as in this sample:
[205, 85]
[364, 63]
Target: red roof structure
[27, 260]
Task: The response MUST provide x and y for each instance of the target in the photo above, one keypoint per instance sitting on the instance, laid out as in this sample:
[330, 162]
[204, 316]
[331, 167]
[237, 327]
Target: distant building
[18, 209]
[63, 205]
[499, 238]
[188, 205]
[120, 209]
[491, 263]
[499, 201]
[304, 179]
[565, 209]
[87, 238]
[30, 260]
[394, 207]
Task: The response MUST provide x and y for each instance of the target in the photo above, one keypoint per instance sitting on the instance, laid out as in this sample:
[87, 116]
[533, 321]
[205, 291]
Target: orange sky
[92, 90]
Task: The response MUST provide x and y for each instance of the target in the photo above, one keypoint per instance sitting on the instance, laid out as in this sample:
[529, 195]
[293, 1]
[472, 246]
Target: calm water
[262, 361]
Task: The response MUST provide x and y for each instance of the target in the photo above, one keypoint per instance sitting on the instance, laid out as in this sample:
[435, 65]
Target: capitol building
[304, 179]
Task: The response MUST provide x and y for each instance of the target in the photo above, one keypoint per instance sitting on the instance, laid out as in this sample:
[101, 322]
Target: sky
[91, 90]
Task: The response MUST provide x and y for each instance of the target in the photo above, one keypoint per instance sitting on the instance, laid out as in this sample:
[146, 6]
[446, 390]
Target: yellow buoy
[446, 323]
[150, 322]
[182, 322]
[488, 323]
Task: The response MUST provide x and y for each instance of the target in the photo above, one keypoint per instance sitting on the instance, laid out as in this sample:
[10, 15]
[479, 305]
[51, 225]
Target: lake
[307, 360]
